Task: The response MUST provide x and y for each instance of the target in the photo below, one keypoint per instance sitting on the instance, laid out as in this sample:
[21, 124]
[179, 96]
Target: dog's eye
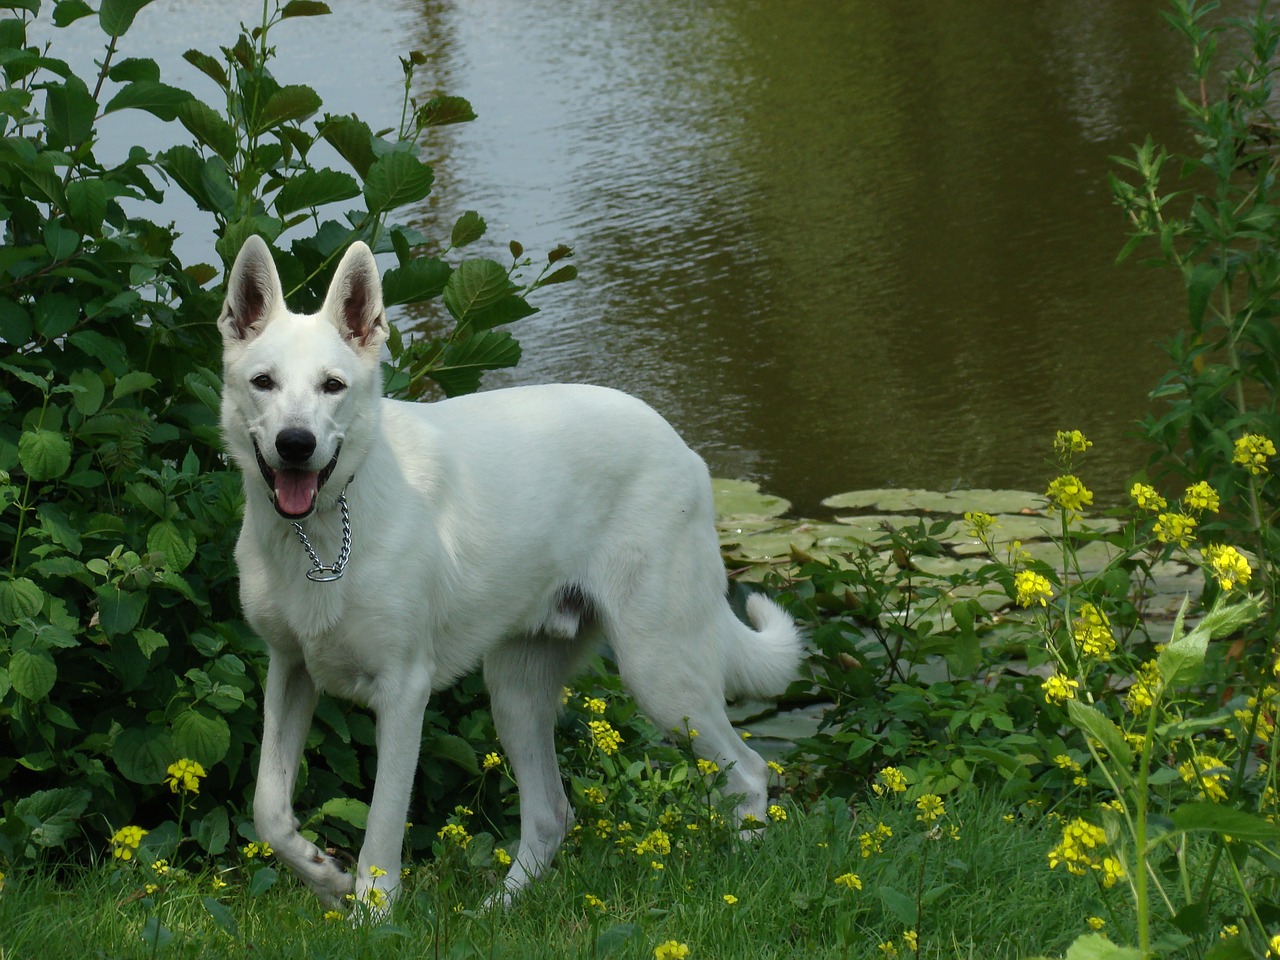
[333, 385]
[263, 381]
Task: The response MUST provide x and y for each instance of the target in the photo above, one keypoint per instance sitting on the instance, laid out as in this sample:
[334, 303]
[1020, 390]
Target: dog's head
[299, 396]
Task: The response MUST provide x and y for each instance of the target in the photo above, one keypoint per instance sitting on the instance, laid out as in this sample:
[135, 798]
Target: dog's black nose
[295, 444]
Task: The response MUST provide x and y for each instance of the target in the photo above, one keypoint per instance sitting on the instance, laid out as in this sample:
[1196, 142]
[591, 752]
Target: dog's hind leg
[525, 678]
[289, 701]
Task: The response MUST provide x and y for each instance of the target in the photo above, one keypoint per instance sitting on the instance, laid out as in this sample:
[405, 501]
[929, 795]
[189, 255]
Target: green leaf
[354, 812]
[15, 323]
[205, 739]
[116, 16]
[89, 393]
[294, 102]
[207, 65]
[149, 641]
[152, 96]
[1091, 720]
[56, 314]
[66, 12]
[417, 280]
[87, 201]
[1201, 282]
[52, 815]
[314, 188]
[222, 917]
[1094, 946]
[209, 127]
[44, 455]
[135, 381]
[263, 879]
[469, 228]
[134, 68]
[900, 905]
[464, 363]
[507, 310]
[32, 673]
[561, 275]
[439, 111]
[60, 242]
[213, 832]
[143, 754]
[176, 544]
[118, 610]
[1215, 818]
[304, 8]
[20, 599]
[395, 180]
[353, 140]
[474, 285]
[69, 114]
[454, 749]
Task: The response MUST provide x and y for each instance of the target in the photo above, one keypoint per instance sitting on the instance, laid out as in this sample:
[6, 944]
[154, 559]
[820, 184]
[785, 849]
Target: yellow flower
[503, 858]
[777, 812]
[185, 775]
[151, 888]
[1175, 528]
[730, 899]
[1065, 762]
[1059, 689]
[1146, 687]
[1092, 633]
[217, 883]
[332, 915]
[376, 871]
[1227, 566]
[454, 833]
[873, 840]
[594, 705]
[255, 849]
[912, 940]
[850, 881]
[1068, 494]
[1067, 442]
[1081, 851]
[1208, 774]
[1201, 496]
[671, 950]
[931, 808]
[605, 737]
[594, 794]
[1228, 931]
[1095, 923]
[891, 779]
[376, 897]
[1252, 451]
[492, 760]
[776, 767]
[978, 524]
[708, 767]
[125, 841]
[1274, 944]
[656, 842]
[1032, 588]
[1147, 497]
[888, 948]
[593, 902]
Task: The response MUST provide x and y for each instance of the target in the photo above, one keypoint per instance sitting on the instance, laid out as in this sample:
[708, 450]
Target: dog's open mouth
[294, 492]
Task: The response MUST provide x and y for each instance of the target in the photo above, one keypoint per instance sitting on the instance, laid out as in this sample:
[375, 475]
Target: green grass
[986, 893]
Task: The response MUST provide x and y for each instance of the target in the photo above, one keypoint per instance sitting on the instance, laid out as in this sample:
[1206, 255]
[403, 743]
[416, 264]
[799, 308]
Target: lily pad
[742, 498]
[931, 501]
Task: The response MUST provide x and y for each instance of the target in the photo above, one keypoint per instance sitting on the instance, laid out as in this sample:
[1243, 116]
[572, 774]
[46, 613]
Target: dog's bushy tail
[761, 662]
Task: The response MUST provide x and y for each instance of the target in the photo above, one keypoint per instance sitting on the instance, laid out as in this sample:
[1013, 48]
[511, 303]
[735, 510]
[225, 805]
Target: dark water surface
[839, 244]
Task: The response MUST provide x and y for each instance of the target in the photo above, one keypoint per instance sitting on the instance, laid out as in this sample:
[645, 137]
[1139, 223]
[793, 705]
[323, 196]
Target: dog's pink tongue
[296, 490]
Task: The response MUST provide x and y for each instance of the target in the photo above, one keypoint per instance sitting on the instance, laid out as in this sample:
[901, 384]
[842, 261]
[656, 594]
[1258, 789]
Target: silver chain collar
[327, 574]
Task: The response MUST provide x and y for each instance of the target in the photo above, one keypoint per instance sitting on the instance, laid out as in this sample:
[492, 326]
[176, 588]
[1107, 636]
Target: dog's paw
[331, 883]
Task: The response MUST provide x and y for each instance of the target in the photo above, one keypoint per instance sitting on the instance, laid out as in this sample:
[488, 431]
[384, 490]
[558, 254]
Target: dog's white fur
[513, 528]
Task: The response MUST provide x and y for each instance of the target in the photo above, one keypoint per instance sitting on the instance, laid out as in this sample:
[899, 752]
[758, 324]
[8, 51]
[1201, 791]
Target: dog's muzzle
[294, 492]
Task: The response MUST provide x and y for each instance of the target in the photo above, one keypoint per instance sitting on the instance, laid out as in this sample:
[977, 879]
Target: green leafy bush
[121, 649]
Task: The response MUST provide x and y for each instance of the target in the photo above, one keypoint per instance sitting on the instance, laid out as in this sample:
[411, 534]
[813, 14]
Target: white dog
[513, 528]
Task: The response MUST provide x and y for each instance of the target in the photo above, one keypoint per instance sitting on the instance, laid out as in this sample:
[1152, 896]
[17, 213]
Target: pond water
[839, 245]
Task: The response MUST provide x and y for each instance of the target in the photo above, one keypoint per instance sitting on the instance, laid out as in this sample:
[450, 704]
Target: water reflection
[838, 244]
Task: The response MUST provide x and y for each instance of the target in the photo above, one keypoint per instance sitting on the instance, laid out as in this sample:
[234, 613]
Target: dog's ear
[253, 293]
[354, 301]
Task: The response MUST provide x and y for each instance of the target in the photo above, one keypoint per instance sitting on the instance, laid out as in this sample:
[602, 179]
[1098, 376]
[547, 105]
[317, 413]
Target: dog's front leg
[288, 704]
[399, 709]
